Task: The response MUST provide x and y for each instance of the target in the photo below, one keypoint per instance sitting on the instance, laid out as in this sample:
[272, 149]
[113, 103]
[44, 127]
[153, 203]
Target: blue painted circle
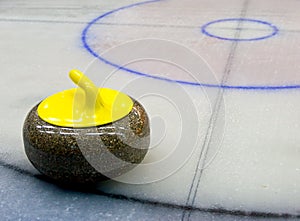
[244, 20]
[86, 45]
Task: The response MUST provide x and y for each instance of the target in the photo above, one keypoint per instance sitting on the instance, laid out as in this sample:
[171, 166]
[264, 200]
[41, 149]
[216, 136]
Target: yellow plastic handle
[85, 106]
[91, 91]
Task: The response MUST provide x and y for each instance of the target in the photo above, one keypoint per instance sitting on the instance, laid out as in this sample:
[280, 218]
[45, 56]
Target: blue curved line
[90, 24]
[273, 27]
[90, 50]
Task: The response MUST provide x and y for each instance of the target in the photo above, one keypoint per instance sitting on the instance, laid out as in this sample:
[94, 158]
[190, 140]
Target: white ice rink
[219, 80]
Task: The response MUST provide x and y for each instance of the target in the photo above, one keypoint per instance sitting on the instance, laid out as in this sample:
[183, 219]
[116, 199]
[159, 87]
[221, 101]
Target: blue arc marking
[85, 33]
[245, 20]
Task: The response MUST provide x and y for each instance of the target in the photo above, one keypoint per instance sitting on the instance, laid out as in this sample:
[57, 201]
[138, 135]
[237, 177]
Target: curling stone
[87, 134]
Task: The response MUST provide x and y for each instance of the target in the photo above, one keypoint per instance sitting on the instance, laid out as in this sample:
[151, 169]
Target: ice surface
[217, 149]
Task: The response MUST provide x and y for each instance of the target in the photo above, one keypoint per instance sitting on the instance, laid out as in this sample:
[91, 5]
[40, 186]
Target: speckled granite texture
[63, 153]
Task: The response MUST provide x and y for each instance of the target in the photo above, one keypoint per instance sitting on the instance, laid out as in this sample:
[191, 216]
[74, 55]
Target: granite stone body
[87, 155]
